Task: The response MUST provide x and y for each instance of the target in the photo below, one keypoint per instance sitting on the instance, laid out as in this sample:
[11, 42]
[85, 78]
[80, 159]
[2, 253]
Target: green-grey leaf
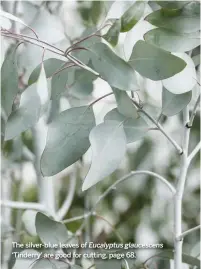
[24, 262]
[50, 231]
[132, 16]
[9, 82]
[67, 139]
[26, 115]
[135, 129]
[50, 65]
[172, 41]
[59, 83]
[169, 254]
[49, 264]
[174, 103]
[82, 84]
[108, 144]
[112, 36]
[155, 63]
[124, 104]
[113, 69]
[109, 264]
[28, 219]
[172, 4]
[186, 20]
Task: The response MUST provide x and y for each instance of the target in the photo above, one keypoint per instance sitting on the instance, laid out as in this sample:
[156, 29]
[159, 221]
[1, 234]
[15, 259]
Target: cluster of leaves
[73, 131]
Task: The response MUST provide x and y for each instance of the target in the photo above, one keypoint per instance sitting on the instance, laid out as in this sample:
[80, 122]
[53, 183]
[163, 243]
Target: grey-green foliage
[59, 83]
[125, 105]
[135, 129]
[50, 65]
[112, 68]
[172, 4]
[154, 63]
[108, 144]
[82, 83]
[26, 115]
[132, 16]
[50, 231]
[185, 20]
[172, 41]
[67, 140]
[9, 82]
[174, 103]
[112, 36]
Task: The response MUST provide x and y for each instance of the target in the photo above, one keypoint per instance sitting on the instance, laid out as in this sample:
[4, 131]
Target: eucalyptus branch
[31, 42]
[69, 198]
[188, 232]
[35, 39]
[190, 123]
[112, 226]
[27, 154]
[23, 205]
[131, 174]
[179, 193]
[100, 98]
[194, 152]
[80, 64]
[172, 141]
[84, 216]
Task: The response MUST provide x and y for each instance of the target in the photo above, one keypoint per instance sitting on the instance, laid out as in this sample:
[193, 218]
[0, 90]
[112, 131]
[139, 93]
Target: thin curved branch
[194, 152]
[188, 232]
[69, 198]
[131, 174]
[174, 143]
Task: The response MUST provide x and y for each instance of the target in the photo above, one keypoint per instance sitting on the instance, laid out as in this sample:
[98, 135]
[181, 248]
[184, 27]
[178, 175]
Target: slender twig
[23, 205]
[131, 174]
[78, 217]
[80, 64]
[190, 123]
[69, 198]
[100, 98]
[194, 152]
[26, 153]
[188, 232]
[60, 70]
[31, 42]
[112, 226]
[173, 142]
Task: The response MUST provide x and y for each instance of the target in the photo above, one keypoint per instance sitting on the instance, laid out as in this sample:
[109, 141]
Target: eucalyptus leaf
[50, 231]
[186, 20]
[112, 36]
[172, 4]
[25, 262]
[26, 115]
[9, 82]
[112, 68]
[50, 65]
[49, 264]
[172, 104]
[132, 16]
[135, 129]
[67, 139]
[28, 219]
[125, 105]
[82, 84]
[108, 144]
[59, 83]
[172, 41]
[154, 63]
[196, 60]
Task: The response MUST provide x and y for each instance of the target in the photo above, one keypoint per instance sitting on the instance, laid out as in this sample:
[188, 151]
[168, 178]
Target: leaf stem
[100, 98]
[23, 205]
[173, 142]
